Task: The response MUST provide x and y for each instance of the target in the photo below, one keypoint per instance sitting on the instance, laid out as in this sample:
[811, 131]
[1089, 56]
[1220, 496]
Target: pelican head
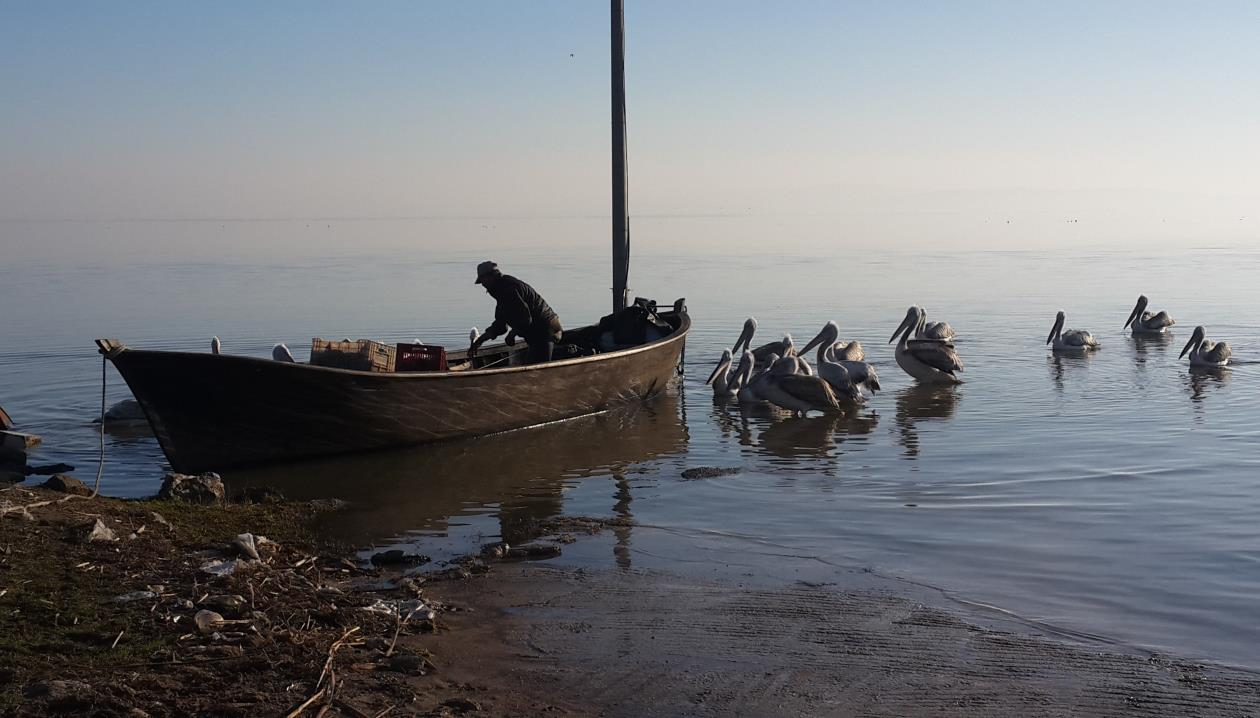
[215, 345]
[830, 332]
[745, 336]
[1196, 340]
[1137, 310]
[789, 347]
[473, 336]
[914, 316]
[723, 364]
[1058, 326]
[280, 352]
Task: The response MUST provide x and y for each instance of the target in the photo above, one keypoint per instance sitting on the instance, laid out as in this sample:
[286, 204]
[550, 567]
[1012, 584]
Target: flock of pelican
[779, 374]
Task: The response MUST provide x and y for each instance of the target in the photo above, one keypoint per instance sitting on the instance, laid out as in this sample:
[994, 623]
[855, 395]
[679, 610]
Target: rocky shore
[190, 605]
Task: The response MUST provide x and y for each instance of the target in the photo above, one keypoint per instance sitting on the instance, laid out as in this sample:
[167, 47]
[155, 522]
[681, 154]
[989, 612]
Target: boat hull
[213, 412]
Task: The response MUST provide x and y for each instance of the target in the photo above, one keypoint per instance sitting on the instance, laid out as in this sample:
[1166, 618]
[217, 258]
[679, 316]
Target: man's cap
[486, 269]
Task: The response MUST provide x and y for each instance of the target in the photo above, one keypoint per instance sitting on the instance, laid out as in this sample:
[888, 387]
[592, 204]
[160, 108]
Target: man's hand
[472, 350]
[510, 339]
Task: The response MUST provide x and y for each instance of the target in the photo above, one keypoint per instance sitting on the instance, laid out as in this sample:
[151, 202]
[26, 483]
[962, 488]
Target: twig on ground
[328, 664]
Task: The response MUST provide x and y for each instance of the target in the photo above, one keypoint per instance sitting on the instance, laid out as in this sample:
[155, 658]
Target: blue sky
[400, 109]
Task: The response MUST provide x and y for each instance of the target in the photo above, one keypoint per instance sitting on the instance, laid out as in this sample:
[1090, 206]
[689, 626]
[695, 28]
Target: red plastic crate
[419, 357]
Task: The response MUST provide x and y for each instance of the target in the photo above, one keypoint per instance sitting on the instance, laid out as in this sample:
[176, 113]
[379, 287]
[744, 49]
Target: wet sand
[631, 643]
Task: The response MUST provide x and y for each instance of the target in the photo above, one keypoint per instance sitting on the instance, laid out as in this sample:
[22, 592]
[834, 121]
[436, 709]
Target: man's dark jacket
[522, 309]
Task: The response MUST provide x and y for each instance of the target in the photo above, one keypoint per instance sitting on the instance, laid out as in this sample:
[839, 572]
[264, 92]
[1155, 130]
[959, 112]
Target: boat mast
[621, 217]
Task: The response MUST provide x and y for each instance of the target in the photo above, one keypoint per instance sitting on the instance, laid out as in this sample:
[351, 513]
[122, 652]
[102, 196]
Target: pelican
[940, 331]
[750, 384]
[1073, 340]
[797, 393]
[1144, 322]
[727, 383]
[215, 345]
[722, 376]
[861, 373]
[473, 336]
[837, 375]
[281, 353]
[1204, 352]
[927, 360]
[782, 348]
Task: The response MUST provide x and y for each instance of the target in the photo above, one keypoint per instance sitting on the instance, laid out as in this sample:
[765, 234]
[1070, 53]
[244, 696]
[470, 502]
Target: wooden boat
[212, 411]
[215, 411]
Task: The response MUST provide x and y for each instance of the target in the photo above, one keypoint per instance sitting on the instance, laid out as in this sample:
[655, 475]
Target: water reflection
[1199, 380]
[518, 477]
[1154, 346]
[813, 437]
[1067, 362]
[919, 403]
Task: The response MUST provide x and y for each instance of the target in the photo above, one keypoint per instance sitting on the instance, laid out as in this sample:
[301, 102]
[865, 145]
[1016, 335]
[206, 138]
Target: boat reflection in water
[922, 402]
[515, 479]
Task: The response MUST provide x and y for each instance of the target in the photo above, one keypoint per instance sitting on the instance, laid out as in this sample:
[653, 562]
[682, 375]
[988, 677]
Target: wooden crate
[360, 355]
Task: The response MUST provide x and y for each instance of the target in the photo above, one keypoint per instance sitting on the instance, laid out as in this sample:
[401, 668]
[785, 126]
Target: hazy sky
[902, 118]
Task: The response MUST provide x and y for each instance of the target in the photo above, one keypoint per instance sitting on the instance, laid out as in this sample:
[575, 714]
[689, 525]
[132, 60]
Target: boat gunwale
[678, 334]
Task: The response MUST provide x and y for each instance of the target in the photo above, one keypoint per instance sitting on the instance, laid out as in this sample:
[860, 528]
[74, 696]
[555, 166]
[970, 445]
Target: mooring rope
[100, 467]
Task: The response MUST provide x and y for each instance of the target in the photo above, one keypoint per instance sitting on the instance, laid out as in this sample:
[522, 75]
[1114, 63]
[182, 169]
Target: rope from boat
[100, 467]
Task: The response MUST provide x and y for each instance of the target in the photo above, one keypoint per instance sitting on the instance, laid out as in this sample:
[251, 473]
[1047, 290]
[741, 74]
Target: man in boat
[520, 309]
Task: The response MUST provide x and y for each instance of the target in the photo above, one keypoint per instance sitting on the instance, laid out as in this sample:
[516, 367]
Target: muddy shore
[117, 628]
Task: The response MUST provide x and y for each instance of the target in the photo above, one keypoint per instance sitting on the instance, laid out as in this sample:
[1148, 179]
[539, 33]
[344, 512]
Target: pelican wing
[851, 351]
[1157, 321]
[938, 355]
[940, 331]
[1079, 338]
[862, 374]
[810, 389]
[762, 353]
[1218, 353]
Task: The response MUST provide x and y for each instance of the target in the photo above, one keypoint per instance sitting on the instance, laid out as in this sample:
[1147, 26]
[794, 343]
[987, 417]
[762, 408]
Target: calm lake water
[1116, 496]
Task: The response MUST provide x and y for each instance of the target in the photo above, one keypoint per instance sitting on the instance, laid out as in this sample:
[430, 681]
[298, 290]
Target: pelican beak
[1058, 326]
[1194, 341]
[745, 336]
[813, 342]
[911, 315]
[1137, 310]
[721, 366]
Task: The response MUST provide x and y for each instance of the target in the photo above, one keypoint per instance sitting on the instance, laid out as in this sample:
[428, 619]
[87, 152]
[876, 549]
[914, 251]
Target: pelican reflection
[813, 437]
[1200, 380]
[923, 402]
[1061, 363]
[1145, 345]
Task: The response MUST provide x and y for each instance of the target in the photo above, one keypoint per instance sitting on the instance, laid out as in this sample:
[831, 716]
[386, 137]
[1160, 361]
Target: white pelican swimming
[939, 331]
[215, 345]
[1204, 352]
[928, 360]
[797, 393]
[861, 373]
[838, 376]
[1073, 340]
[281, 353]
[726, 379]
[783, 347]
[1143, 322]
